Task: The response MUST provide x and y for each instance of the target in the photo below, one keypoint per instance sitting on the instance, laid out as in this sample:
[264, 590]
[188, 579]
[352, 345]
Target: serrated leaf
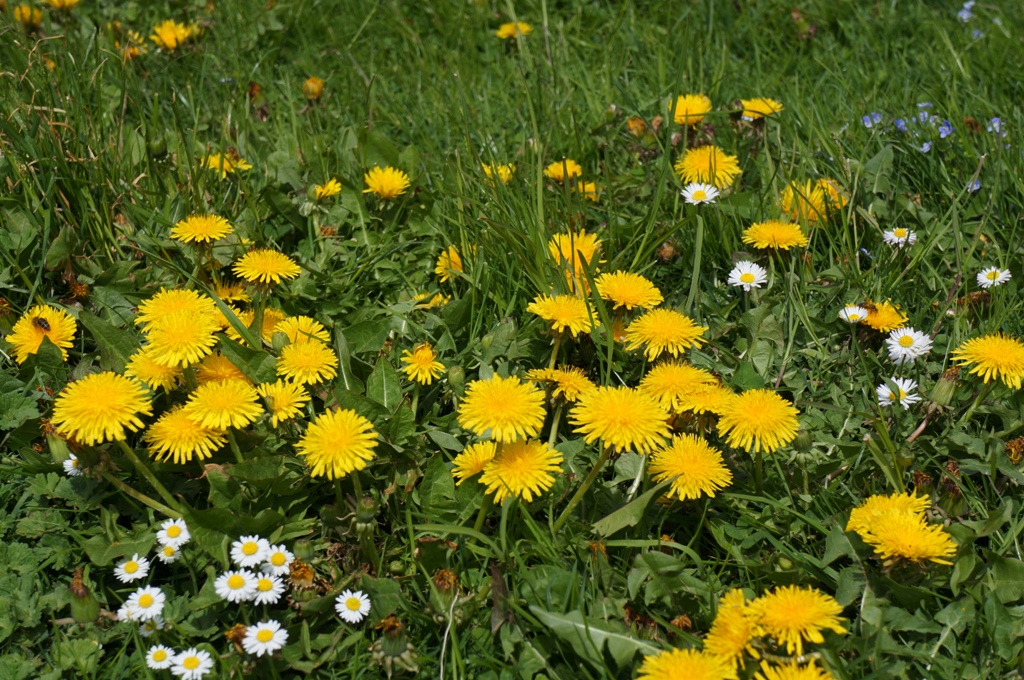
[588, 637]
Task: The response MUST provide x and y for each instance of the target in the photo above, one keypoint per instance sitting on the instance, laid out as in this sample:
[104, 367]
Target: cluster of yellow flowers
[567, 170]
[896, 527]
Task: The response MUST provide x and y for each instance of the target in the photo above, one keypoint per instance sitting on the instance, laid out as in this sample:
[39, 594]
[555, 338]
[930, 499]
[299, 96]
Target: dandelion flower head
[793, 615]
[100, 407]
[176, 436]
[628, 291]
[421, 364]
[523, 469]
[284, 400]
[691, 108]
[691, 664]
[42, 321]
[307, 362]
[386, 183]
[565, 313]
[568, 382]
[760, 107]
[708, 164]
[513, 29]
[201, 229]
[885, 317]
[623, 417]
[663, 330]
[508, 408]
[266, 266]
[775, 234]
[993, 357]
[337, 443]
[697, 468]
[759, 420]
[559, 170]
[223, 404]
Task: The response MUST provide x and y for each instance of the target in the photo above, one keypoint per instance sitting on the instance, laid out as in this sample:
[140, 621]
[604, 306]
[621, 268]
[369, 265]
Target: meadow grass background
[100, 158]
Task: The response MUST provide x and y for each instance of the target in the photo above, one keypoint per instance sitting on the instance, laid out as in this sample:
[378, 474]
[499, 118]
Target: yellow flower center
[700, 195]
[353, 604]
[249, 548]
[264, 584]
[854, 317]
[191, 662]
[265, 635]
[169, 551]
[906, 341]
[235, 582]
[173, 531]
[146, 601]
[277, 559]
[131, 567]
[893, 397]
[74, 462]
[992, 276]
[159, 655]
[747, 277]
[899, 233]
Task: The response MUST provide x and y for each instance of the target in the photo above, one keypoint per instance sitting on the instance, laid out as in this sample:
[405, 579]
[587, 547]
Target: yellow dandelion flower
[897, 535]
[449, 264]
[862, 517]
[62, 4]
[182, 338]
[564, 313]
[792, 671]
[575, 253]
[337, 443]
[226, 164]
[307, 362]
[791, 615]
[231, 291]
[688, 664]
[302, 329]
[559, 170]
[472, 460]
[521, 469]
[805, 201]
[170, 35]
[438, 300]
[775, 234]
[885, 317]
[691, 108]
[698, 468]
[706, 399]
[759, 420]
[387, 183]
[144, 368]
[759, 108]
[993, 357]
[708, 164]
[663, 330]
[588, 189]
[732, 631]
[507, 408]
[177, 436]
[502, 172]
[224, 404]
[266, 266]
[201, 229]
[284, 399]
[670, 382]
[29, 17]
[271, 318]
[835, 195]
[312, 89]
[513, 29]
[216, 367]
[568, 382]
[422, 364]
[42, 321]
[99, 408]
[331, 187]
[628, 291]
[622, 417]
[168, 302]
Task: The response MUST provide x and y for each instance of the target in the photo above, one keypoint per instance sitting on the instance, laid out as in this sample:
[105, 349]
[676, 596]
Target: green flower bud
[84, 607]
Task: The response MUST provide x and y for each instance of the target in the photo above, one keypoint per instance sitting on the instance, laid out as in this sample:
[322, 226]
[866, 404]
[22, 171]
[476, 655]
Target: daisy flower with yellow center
[42, 321]
[271, 318]
[754, 109]
[663, 330]
[993, 277]
[421, 364]
[903, 536]
[698, 193]
[502, 172]
[521, 469]
[775, 234]
[307, 362]
[853, 314]
[449, 264]
[759, 420]
[507, 408]
[708, 164]
[863, 516]
[386, 183]
[337, 443]
[885, 317]
[792, 671]
[225, 164]
[143, 367]
[175, 435]
[231, 291]
[559, 170]
[513, 29]
[792, 615]
[568, 382]
[688, 664]
[804, 201]
[628, 291]
[732, 631]
[622, 417]
[472, 460]
[218, 367]
[313, 89]
[224, 404]
[993, 357]
[302, 329]
[284, 399]
[170, 35]
[698, 468]
[670, 382]
[182, 338]
[564, 313]
[168, 302]
[266, 266]
[99, 408]
[201, 229]
[691, 108]
[330, 188]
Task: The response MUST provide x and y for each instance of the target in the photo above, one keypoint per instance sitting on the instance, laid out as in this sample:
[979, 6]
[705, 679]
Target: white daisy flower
[697, 193]
[248, 551]
[900, 237]
[279, 561]
[269, 589]
[174, 533]
[906, 344]
[987, 278]
[886, 397]
[71, 464]
[265, 637]
[853, 314]
[159, 657]
[147, 628]
[236, 586]
[192, 664]
[168, 554]
[132, 570]
[146, 603]
[748, 275]
[352, 606]
[126, 613]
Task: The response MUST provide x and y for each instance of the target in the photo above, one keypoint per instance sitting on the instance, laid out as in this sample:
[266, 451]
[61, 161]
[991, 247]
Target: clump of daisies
[907, 344]
[987, 278]
[748, 275]
[905, 397]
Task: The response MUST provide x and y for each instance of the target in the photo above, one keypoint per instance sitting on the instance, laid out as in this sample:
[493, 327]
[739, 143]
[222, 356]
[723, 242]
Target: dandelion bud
[945, 387]
[303, 549]
[84, 607]
[58, 448]
[366, 511]
[313, 88]
[279, 341]
[457, 380]
[803, 441]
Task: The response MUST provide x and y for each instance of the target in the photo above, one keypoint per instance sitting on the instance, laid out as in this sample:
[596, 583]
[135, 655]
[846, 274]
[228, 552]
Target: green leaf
[630, 514]
[588, 637]
[1007, 577]
[225, 492]
[437, 488]
[257, 365]
[346, 378]
[103, 551]
[383, 385]
[747, 378]
[445, 440]
[368, 336]
[264, 469]
[116, 345]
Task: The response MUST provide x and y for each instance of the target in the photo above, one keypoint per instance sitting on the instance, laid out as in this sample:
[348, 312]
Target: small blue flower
[946, 129]
[977, 34]
[965, 15]
[924, 105]
[871, 120]
[996, 126]
[926, 147]
[901, 125]
[922, 117]
[974, 185]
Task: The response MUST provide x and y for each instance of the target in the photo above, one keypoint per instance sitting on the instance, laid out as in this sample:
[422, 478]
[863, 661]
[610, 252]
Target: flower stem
[234, 447]
[484, 509]
[150, 477]
[691, 298]
[977, 402]
[759, 472]
[554, 425]
[554, 351]
[415, 399]
[139, 496]
[587, 483]
[357, 486]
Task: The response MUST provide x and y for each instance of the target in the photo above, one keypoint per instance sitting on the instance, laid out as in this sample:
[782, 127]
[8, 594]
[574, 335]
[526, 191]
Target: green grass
[100, 158]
